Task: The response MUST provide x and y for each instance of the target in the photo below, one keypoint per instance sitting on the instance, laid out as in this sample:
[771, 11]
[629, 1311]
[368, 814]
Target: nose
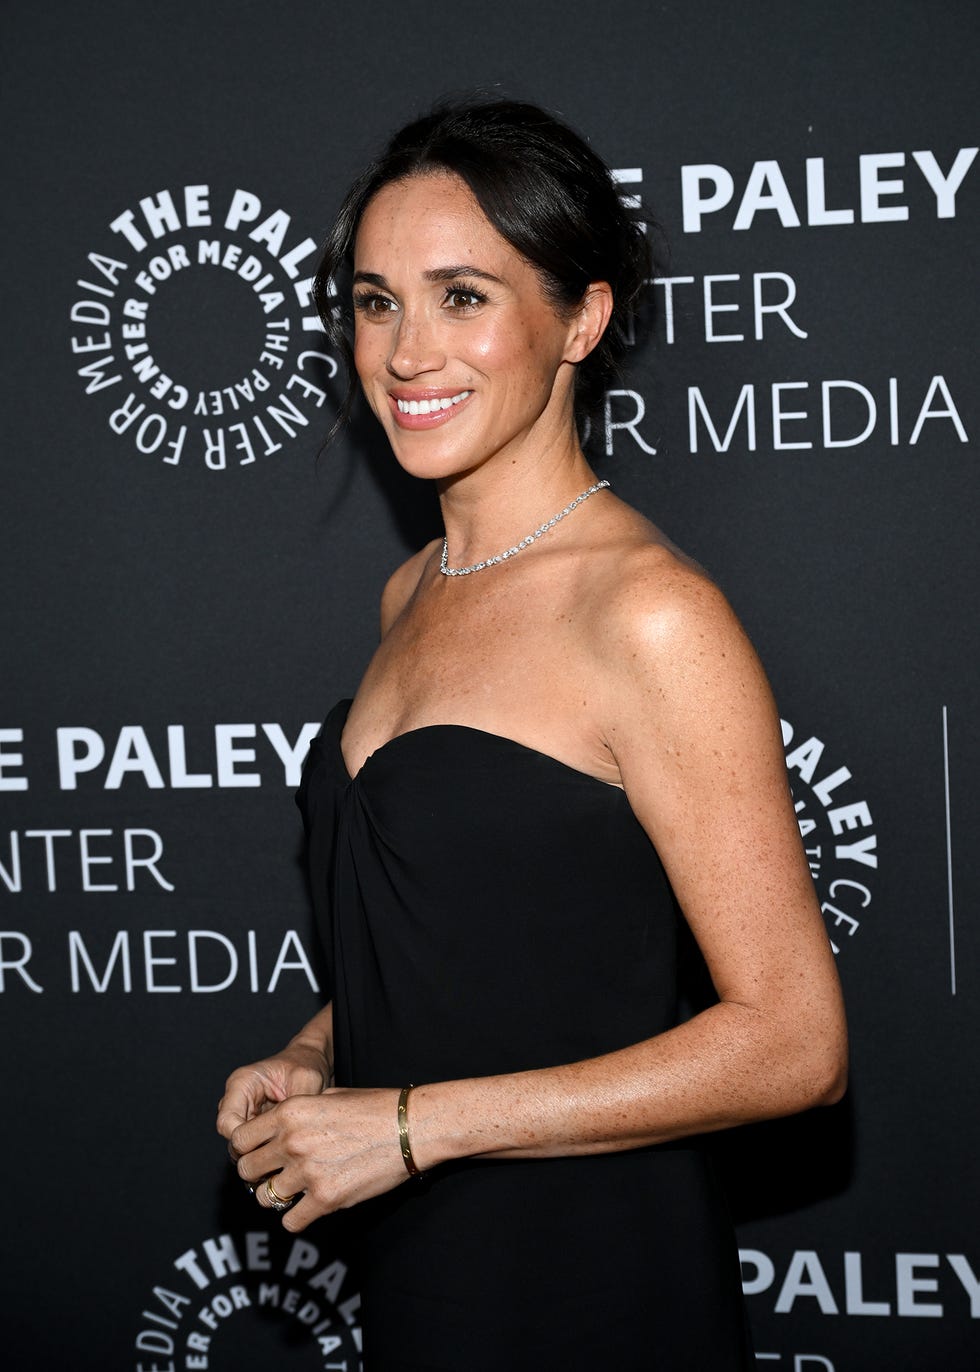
[415, 346]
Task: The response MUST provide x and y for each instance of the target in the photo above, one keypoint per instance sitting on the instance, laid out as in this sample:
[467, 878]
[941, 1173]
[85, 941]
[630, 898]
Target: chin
[429, 466]
[427, 457]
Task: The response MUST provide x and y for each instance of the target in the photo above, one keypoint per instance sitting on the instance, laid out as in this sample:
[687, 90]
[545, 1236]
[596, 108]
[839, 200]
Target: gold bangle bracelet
[403, 1139]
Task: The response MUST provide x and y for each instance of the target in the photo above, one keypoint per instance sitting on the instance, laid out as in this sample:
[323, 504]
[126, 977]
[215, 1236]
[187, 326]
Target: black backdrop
[187, 588]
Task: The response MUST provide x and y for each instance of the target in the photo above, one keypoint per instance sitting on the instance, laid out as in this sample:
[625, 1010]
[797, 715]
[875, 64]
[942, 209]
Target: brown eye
[374, 304]
[458, 299]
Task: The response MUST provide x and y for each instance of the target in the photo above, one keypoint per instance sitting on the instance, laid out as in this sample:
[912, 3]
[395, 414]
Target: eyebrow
[437, 274]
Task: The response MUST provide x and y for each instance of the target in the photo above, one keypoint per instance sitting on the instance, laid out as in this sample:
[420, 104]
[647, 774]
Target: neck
[497, 504]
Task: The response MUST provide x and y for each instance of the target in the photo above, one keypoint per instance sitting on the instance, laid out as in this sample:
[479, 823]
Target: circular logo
[196, 333]
[254, 1299]
[837, 831]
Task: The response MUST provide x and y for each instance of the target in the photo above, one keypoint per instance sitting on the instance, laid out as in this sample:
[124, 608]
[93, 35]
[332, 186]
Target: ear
[589, 321]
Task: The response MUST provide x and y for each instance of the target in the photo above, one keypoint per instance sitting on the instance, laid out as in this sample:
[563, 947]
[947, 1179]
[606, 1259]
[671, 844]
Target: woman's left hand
[336, 1148]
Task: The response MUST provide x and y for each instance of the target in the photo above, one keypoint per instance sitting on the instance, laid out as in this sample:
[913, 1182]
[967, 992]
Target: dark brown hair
[542, 188]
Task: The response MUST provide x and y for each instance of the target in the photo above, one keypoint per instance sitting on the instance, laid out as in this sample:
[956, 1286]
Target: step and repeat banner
[190, 584]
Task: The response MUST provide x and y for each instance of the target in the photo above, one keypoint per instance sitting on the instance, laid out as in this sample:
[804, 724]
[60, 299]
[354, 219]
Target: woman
[563, 725]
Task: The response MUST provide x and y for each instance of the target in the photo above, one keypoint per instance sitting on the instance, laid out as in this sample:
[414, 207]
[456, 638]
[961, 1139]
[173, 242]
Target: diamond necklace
[446, 570]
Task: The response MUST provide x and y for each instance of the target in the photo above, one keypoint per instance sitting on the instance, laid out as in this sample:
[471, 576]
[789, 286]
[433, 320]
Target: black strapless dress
[488, 909]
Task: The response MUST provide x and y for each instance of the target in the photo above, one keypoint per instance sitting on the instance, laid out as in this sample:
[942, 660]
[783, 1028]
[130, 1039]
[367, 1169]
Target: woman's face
[461, 355]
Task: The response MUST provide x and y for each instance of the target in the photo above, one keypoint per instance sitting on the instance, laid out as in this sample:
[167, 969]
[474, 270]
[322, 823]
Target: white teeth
[430, 406]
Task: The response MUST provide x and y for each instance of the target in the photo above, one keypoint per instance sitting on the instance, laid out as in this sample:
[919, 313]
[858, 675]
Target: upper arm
[695, 732]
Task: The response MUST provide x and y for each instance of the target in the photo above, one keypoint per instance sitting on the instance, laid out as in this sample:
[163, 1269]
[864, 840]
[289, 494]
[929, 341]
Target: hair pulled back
[542, 188]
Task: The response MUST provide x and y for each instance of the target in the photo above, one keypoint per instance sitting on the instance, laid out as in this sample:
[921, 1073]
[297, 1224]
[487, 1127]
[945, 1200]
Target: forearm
[727, 1066]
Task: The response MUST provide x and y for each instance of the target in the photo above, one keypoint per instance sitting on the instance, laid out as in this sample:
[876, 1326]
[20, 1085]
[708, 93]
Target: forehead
[422, 218]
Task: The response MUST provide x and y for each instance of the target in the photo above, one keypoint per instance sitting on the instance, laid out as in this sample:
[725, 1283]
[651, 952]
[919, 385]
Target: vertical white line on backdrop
[949, 857]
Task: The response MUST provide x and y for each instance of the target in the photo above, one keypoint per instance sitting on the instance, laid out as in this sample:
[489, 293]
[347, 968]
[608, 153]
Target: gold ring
[275, 1200]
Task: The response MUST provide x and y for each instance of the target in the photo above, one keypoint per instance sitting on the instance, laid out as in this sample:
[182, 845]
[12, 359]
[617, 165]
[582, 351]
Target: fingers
[302, 1213]
[253, 1133]
[228, 1119]
[241, 1105]
[277, 1192]
[283, 1193]
[237, 1105]
[253, 1167]
[262, 1159]
[249, 1091]
[257, 1145]
[298, 1209]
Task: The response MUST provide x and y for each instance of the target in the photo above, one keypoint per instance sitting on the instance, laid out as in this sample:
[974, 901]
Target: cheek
[368, 353]
[360, 344]
[369, 361]
[510, 352]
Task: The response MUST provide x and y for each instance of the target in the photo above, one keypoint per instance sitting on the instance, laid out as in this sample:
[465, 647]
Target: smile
[430, 406]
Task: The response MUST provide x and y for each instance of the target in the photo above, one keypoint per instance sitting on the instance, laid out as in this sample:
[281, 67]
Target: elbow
[826, 1071]
[834, 1084]
[813, 1068]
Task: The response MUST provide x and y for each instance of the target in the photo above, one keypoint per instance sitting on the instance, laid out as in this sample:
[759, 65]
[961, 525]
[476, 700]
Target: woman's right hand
[303, 1068]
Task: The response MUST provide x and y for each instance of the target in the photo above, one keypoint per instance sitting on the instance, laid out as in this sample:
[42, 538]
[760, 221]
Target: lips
[426, 409]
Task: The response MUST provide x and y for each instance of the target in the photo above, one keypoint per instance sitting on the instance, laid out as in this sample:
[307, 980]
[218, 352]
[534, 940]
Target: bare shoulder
[667, 604]
[650, 600]
[670, 651]
[402, 584]
[684, 708]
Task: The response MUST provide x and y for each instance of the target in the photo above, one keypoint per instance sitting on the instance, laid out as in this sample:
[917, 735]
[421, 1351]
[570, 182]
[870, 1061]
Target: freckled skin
[605, 647]
[513, 351]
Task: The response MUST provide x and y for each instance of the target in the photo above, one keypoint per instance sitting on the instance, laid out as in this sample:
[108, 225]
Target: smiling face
[461, 355]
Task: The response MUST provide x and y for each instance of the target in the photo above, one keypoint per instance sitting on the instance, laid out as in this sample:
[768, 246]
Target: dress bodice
[487, 908]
